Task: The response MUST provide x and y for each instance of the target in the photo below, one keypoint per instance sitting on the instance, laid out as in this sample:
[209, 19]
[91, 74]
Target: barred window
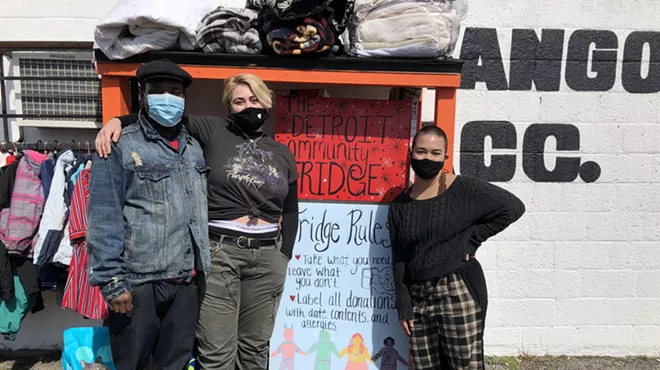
[63, 97]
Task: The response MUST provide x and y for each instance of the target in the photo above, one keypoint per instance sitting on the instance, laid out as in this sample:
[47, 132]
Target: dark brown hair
[430, 130]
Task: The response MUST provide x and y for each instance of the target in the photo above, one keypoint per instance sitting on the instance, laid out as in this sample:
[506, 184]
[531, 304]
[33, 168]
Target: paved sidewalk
[50, 361]
[573, 363]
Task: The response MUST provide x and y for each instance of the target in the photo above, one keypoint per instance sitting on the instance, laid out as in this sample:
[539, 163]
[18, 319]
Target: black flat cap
[162, 69]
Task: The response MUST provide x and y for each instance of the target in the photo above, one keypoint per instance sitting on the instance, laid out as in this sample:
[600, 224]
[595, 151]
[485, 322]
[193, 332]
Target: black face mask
[426, 169]
[249, 120]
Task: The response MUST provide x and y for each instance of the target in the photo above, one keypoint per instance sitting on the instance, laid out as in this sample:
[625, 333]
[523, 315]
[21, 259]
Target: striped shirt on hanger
[79, 295]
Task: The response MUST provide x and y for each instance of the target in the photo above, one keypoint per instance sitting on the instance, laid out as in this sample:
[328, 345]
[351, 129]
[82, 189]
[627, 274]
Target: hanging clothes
[76, 173]
[19, 222]
[71, 178]
[6, 276]
[47, 173]
[7, 179]
[10, 159]
[12, 311]
[3, 159]
[28, 274]
[51, 242]
[52, 278]
[79, 295]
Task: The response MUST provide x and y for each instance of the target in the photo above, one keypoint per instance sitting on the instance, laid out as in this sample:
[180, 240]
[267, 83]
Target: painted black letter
[568, 138]
[631, 78]
[603, 60]
[536, 60]
[481, 45]
[503, 135]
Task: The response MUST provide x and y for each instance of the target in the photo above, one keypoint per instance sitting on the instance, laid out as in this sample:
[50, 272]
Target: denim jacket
[147, 211]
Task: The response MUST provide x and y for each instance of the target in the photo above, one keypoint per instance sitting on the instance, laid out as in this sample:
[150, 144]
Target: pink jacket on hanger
[19, 222]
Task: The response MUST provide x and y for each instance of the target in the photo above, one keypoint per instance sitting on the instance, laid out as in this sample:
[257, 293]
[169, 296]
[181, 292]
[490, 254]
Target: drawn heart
[297, 256]
[292, 297]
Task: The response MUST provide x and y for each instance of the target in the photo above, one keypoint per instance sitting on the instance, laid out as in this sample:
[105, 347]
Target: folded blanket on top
[395, 23]
[229, 30]
[414, 48]
[313, 36]
[138, 26]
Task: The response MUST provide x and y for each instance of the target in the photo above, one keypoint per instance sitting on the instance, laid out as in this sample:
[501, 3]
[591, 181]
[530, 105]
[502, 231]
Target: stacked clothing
[336, 12]
[313, 35]
[138, 26]
[290, 9]
[229, 30]
[406, 28]
[295, 27]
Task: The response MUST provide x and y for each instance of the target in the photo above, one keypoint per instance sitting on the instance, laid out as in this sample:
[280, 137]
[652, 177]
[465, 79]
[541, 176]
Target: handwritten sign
[351, 150]
[338, 307]
[337, 311]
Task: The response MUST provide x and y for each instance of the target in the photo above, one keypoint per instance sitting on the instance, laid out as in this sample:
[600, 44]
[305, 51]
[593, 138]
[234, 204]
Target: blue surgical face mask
[166, 109]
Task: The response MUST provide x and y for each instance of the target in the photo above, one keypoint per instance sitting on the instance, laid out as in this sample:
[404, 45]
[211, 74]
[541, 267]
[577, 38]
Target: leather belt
[245, 242]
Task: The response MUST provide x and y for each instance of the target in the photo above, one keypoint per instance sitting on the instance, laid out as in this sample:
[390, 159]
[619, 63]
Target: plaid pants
[447, 319]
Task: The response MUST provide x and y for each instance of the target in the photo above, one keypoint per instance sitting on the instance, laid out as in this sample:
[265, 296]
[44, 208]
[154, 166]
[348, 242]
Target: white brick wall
[580, 273]
[45, 20]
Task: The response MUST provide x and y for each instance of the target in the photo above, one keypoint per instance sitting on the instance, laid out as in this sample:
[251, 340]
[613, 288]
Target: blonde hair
[257, 85]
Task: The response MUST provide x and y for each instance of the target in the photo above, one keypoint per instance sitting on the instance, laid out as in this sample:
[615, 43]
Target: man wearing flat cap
[147, 227]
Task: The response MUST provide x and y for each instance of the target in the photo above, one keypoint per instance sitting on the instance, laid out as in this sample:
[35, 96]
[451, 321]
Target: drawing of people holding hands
[358, 354]
[389, 355]
[288, 350]
[324, 349]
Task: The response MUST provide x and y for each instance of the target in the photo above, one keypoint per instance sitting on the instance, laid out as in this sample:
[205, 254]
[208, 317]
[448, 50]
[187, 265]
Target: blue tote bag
[87, 349]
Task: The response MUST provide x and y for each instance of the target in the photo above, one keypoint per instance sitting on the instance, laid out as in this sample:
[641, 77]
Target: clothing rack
[48, 146]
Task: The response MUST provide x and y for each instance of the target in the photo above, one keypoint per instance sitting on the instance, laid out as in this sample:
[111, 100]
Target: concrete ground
[50, 361]
[573, 363]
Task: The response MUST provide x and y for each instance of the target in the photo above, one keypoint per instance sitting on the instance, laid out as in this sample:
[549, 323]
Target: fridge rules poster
[337, 310]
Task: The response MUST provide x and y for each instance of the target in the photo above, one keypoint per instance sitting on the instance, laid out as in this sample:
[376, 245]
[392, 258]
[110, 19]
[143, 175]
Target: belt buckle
[238, 242]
